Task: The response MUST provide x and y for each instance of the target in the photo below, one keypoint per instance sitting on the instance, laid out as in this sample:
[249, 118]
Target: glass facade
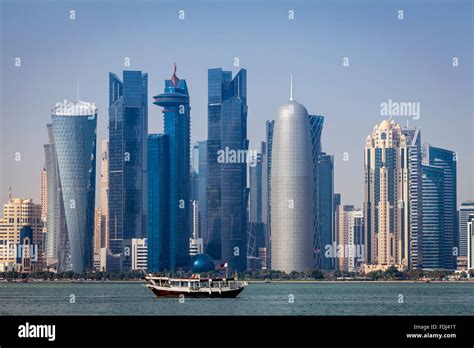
[414, 213]
[316, 125]
[434, 223]
[202, 190]
[292, 195]
[255, 205]
[176, 114]
[227, 180]
[158, 209]
[128, 129]
[266, 187]
[447, 160]
[55, 207]
[326, 208]
[74, 127]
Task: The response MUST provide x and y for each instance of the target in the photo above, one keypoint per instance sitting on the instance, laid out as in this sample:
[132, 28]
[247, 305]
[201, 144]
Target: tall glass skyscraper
[446, 160]
[433, 223]
[128, 130]
[292, 193]
[56, 238]
[74, 128]
[227, 179]
[202, 190]
[176, 113]
[316, 124]
[266, 187]
[158, 208]
[326, 208]
[414, 214]
[256, 239]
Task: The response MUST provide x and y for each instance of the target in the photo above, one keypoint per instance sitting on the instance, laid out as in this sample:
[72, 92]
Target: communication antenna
[77, 89]
[291, 87]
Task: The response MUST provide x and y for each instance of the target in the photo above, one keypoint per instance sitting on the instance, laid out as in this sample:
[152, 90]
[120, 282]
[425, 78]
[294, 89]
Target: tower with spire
[293, 189]
[176, 114]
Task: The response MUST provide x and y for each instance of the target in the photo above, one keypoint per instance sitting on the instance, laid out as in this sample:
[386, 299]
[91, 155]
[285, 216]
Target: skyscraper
[194, 177]
[104, 195]
[74, 128]
[176, 114]
[256, 240]
[386, 197]
[336, 203]
[316, 125]
[266, 188]
[466, 209]
[446, 160]
[433, 225]
[56, 237]
[326, 208]
[202, 190]
[158, 207]
[413, 216]
[227, 175]
[292, 190]
[255, 204]
[128, 129]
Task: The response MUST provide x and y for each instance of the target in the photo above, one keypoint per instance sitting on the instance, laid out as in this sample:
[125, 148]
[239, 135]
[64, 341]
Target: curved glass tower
[292, 190]
[74, 128]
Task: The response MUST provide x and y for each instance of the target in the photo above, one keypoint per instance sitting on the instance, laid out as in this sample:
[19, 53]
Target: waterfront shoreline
[279, 298]
[274, 281]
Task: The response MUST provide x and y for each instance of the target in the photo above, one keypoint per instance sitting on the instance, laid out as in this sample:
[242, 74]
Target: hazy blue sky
[403, 60]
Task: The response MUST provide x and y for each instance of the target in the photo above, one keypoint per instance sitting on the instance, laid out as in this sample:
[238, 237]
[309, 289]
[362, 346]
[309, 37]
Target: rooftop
[76, 108]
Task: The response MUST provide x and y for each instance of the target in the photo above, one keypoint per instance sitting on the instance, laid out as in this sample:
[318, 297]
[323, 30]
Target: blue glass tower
[446, 161]
[74, 127]
[433, 223]
[158, 209]
[57, 249]
[202, 190]
[176, 113]
[227, 180]
[319, 228]
[415, 211]
[128, 130]
[326, 208]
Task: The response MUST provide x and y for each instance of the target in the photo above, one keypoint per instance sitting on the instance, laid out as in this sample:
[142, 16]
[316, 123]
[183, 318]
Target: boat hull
[232, 293]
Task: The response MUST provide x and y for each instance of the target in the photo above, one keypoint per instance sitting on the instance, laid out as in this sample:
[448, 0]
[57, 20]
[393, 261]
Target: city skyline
[398, 174]
[298, 160]
[318, 82]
